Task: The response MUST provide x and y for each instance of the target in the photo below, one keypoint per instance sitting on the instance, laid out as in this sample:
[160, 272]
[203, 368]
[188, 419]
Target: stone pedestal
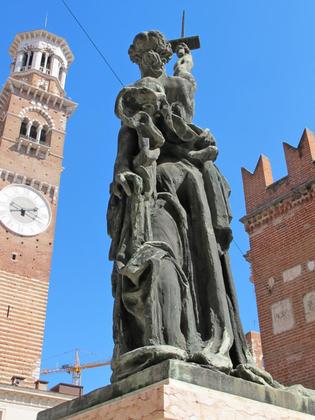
[178, 390]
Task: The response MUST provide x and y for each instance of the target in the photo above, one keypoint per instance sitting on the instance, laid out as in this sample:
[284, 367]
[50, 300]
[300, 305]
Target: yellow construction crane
[76, 368]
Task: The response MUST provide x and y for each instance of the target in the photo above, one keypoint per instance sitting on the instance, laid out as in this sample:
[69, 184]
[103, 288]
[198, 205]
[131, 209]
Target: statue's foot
[260, 376]
[254, 374]
[214, 361]
[301, 390]
[143, 357]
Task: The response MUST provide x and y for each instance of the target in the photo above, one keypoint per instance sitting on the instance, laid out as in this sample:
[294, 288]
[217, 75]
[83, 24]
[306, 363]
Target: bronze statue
[169, 220]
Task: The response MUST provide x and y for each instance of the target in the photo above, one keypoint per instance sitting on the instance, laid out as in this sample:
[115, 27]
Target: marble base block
[178, 390]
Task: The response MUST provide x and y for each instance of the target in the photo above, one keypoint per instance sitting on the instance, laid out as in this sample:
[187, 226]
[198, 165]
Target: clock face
[24, 210]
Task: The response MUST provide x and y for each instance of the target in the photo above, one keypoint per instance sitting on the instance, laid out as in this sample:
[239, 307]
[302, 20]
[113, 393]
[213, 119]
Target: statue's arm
[184, 63]
[124, 177]
[127, 149]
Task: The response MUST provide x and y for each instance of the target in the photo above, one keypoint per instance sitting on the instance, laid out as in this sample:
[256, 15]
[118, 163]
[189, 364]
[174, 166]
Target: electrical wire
[59, 355]
[243, 254]
[251, 268]
[238, 247]
[254, 272]
[92, 42]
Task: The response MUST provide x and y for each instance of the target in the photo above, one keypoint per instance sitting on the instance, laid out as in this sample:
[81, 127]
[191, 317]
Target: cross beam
[192, 42]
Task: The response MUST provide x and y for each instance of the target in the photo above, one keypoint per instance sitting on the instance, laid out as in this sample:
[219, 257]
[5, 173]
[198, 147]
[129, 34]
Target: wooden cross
[193, 42]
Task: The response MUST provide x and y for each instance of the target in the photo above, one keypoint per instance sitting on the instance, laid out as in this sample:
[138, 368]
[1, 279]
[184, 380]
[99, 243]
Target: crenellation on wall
[300, 159]
[259, 187]
[278, 210]
[255, 183]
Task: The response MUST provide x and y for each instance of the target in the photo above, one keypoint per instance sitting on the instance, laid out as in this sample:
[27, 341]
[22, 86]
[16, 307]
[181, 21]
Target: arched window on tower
[27, 60]
[23, 128]
[48, 64]
[33, 131]
[45, 63]
[42, 61]
[44, 136]
[30, 59]
[60, 73]
[24, 61]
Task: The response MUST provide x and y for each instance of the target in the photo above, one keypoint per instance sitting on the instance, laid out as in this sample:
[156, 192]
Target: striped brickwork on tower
[23, 310]
[34, 111]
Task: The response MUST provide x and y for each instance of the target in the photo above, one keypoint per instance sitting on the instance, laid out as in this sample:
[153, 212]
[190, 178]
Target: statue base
[178, 390]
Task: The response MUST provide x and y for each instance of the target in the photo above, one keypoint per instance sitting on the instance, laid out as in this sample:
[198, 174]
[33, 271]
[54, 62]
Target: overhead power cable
[92, 42]
[239, 248]
[254, 272]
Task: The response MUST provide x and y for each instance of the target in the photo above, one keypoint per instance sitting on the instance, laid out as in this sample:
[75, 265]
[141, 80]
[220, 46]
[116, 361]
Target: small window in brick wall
[33, 132]
[44, 136]
[23, 129]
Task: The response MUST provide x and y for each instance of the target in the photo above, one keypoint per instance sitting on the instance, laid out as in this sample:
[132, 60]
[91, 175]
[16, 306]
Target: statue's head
[151, 52]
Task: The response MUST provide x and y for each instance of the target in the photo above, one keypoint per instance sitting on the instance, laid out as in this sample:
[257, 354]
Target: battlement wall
[259, 187]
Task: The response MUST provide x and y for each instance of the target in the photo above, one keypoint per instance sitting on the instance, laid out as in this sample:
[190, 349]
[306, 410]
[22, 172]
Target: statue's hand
[143, 117]
[184, 63]
[128, 182]
[181, 50]
[147, 129]
[205, 139]
[203, 155]
[146, 157]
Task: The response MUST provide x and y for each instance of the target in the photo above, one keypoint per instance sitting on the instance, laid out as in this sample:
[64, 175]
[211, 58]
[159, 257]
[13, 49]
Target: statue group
[169, 220]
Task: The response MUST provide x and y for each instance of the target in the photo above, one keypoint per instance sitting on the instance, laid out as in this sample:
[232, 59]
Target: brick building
[33, 114]
[280, 222]
[253, 340]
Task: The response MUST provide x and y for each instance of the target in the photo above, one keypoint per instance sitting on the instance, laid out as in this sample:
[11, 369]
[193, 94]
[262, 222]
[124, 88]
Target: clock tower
[34, 111]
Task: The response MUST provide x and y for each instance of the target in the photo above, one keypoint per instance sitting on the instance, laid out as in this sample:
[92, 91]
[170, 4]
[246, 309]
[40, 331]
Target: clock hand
[40, 219]
[20, 207]
[22, 210]
[31, 216]
[35, 209]
[17, 206]
[37, 217]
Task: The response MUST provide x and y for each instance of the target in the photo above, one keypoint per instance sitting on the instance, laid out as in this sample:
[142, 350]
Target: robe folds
[172, 284]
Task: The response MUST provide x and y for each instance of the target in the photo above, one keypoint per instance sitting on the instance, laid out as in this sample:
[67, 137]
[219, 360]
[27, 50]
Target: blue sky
[256, 88]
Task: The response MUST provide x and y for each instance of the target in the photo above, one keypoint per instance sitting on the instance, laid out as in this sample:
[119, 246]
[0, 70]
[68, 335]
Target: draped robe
[172, 284]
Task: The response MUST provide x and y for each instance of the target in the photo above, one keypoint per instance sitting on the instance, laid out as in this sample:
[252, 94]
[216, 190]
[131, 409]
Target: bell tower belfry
[34, 111]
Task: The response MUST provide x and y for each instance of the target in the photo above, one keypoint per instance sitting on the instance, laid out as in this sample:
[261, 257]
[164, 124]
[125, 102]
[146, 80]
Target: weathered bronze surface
[169, 220]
